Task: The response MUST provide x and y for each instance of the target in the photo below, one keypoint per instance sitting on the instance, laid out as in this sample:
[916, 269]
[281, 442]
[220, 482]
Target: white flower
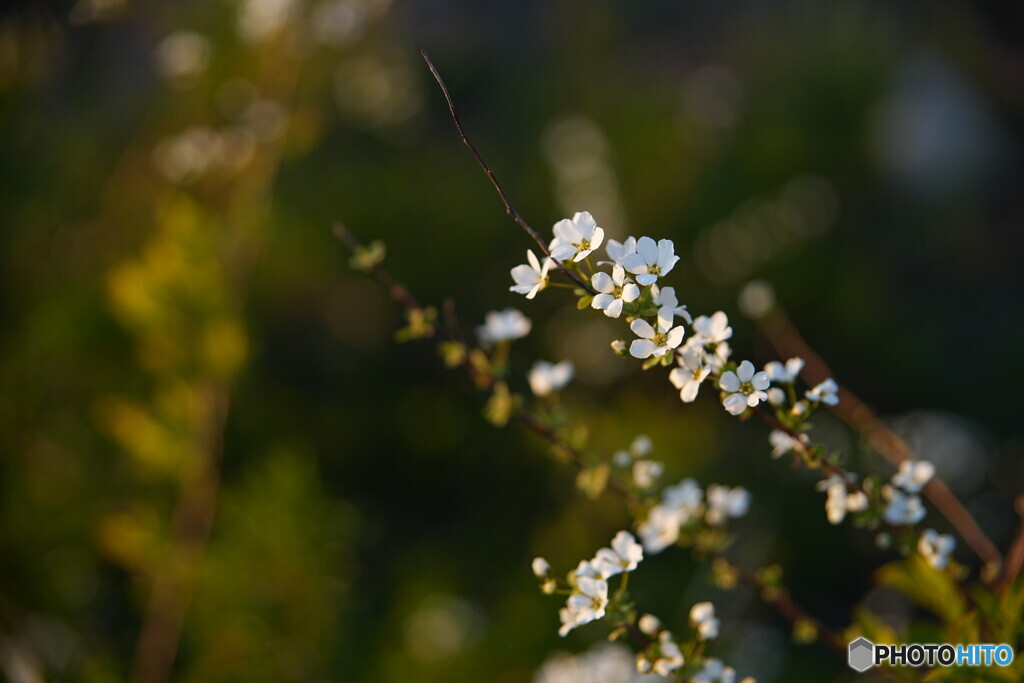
[646, 472]
[617, 251]
[641, 446]
[623, 556]
[840, 499]
[586, 604]
[530, 277]
[936, 548]
[690, 373]
[724, 502]
[655, 342]
[586, 568]
[776, 396]
[826, 392]
[666, 298]
[651, 260]
[649, 624]
[713, 329]
[783, 443]
[743, 387]
[913, 475]
[902, 508]
[714, 672]
[503, 326]
[660, 529]
[547, 377]
[784, 374]
[576, 238]
[183, 54]
[540, 567]
[702, 618]
[613, 291]
[670, 658]
[685, 497]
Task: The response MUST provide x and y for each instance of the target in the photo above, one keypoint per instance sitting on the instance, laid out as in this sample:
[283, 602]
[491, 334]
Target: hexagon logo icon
[862, 654]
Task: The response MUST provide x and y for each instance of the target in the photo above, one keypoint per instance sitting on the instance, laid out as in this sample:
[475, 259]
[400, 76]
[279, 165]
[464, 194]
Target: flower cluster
[904, 506]
[683, 505]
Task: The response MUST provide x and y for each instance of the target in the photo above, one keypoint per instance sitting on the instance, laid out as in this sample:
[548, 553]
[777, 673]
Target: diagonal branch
[509, 209]
[787, 340]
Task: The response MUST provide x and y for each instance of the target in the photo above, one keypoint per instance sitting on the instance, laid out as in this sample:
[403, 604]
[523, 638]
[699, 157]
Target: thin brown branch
[788, 342]
[778, 596]
[509, 209]
[1015, 556]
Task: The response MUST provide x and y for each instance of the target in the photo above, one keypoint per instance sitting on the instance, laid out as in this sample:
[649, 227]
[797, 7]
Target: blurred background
[218, 465]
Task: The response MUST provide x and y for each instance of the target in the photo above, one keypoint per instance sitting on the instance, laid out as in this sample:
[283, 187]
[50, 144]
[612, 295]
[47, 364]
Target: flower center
[660, 339]
[583, 245]
[654, 270]
[746, 388]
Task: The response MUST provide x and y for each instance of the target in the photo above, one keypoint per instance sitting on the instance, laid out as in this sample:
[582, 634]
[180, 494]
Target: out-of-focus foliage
[201, 402]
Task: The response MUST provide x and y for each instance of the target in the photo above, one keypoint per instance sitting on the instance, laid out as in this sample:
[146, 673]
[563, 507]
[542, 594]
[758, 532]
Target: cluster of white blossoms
[683, 504]
[663, 656]
[904, 506]
[702, 618]
[840, 499]
[936, 548]
[645, 471]
[588, 598]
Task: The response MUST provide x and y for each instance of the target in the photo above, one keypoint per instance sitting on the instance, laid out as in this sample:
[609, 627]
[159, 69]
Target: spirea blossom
[826, 392]
[743, 388]
[503, 326]
[640, 447]
[913, 475]
[712, 329]
[613, 291]
[702, 618]
[532, 276]
[665, 297]
[541, 567]
[714, 671]
[624, 556]
[679, 505]
[670, 657]
[902, 508]
[783, 443]
[936, 548]
[690, 373]
[646, 472]
[586, 604]
[724, 503]
[617, 251]
[545, 377]
[655, 342]
[575, 238]
[651, 260]
[840, 499]
[784, 374]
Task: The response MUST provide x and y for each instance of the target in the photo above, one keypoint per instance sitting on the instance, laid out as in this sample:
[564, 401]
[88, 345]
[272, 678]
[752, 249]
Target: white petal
[642, 328]
[597, 238]
[602, 282]
[735, 403]
[641, 348]
[689, 391]
[645, 278]
[745, 371]
[647, 249]
[630, 293]
[729, 381]
[614, 309]
[602, 301]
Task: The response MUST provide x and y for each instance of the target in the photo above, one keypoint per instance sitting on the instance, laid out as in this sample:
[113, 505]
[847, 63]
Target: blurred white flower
[936, 548]
[660, 528]
[902, 508]
[670, 658]
[547, 377]
[724, 502]
[503, 325]
[613, 291]
[586, 604]
[783, 443]
[649, 624]
[784, 374]
[624, 556]
[651, 260]
[745, 387]
[530, 277]
[702, 618]
[714, 671]
[182, 55]
[840, 499]
[575, 238]
[646, 472]
[640, 447]
[541, 567]
[711, 330]
[913, 475]
[826, 392]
